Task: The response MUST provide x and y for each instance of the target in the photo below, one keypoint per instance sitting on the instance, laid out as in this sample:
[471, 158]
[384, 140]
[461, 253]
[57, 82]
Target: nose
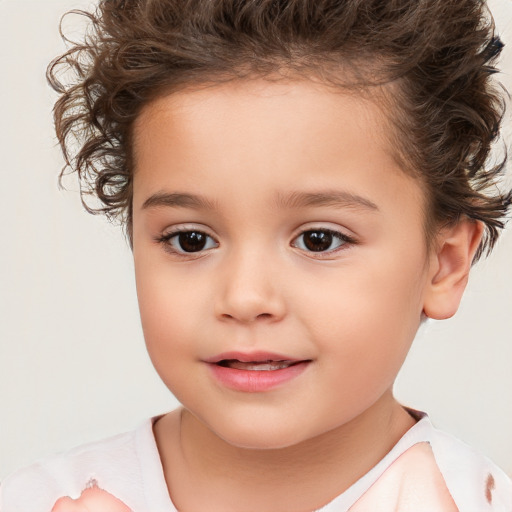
[250, 290]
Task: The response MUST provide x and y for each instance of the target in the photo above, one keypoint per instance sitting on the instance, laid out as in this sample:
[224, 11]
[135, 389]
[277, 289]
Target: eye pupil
[317, 241]
[192, 241]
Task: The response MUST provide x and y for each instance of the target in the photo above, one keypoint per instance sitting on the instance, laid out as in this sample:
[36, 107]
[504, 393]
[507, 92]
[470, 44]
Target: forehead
[260, 132]
[258, 106]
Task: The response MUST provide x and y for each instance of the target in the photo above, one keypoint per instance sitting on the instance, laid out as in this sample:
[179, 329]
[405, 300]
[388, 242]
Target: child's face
[301, 240]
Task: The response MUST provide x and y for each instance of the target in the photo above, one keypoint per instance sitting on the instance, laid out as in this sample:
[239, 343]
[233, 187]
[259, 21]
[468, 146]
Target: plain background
[73, 366]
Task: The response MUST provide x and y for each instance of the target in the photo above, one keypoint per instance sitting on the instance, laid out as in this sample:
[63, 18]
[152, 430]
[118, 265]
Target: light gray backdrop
[73, 366]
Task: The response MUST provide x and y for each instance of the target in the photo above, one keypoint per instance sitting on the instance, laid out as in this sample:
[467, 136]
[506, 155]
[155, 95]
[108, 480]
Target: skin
[352, 311]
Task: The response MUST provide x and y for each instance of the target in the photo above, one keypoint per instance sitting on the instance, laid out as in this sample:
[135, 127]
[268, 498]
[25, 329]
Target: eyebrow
[178, 200]
[330, 198]
[291, 200]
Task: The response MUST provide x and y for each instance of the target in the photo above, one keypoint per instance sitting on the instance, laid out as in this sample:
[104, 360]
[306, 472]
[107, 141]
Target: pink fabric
[92, 499]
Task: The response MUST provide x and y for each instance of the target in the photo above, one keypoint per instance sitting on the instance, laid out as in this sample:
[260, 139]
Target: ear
[450, 263]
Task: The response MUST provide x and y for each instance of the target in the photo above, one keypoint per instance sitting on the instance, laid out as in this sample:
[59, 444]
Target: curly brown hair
[440, 54]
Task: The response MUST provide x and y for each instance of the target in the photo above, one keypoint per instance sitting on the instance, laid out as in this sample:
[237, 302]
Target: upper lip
[251, 357]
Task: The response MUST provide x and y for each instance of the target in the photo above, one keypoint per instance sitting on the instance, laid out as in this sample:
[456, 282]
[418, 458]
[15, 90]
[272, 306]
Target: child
[303, 182]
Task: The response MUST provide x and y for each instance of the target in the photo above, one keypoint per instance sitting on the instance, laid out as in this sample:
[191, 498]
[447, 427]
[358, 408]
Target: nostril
[262, 316]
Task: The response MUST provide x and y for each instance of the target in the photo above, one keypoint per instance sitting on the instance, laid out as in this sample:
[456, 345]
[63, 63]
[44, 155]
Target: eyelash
[343, 239]
[165, 240]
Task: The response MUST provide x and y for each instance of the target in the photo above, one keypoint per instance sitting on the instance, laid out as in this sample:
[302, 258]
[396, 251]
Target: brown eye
[317, 240]
[190, 241]
[320, 240]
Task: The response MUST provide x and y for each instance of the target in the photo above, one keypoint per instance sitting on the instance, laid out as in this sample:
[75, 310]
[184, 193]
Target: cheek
[368, 316]
[172, 309]
[365, 298]
[167, 296]
[168, 333]
[163, 304]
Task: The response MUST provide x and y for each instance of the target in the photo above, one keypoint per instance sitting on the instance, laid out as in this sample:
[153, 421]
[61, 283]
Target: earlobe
[449, 268]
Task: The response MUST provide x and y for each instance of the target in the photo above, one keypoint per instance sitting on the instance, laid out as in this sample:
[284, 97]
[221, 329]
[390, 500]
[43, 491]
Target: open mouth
[255, 372]
[268, 365]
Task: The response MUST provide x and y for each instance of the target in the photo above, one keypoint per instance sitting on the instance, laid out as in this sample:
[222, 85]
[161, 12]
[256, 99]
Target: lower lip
[255, 381]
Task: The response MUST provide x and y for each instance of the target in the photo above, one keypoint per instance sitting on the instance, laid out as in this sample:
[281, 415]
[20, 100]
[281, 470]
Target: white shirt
[128, 466]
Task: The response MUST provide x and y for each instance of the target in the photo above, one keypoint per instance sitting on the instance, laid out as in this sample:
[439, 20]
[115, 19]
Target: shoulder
[474, 481]
[422, 486]
[431, 470]
[110, 463]
[412, 482]
[446, 477]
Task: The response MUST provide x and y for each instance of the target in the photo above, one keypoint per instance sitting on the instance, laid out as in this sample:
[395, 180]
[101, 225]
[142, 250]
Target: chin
[259, 435]
[260, 440]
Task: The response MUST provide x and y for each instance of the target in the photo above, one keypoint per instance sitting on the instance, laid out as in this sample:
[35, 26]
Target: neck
[204, 472]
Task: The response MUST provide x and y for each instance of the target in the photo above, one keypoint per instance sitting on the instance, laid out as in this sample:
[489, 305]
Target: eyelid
[325, 226]
[185, 227]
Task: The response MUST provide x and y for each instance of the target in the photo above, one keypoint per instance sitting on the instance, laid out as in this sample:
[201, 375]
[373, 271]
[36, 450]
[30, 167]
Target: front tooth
[268, 366]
